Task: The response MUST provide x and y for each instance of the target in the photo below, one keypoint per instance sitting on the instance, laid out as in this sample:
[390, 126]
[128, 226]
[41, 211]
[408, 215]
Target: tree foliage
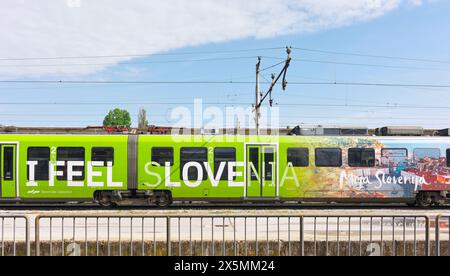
[142, 120]
[117, 117]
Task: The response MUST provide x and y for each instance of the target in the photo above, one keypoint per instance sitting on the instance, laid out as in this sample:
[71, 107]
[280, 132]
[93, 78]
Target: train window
[328, 157]
[104, 155]
[394, 157]
[70, 154]
[254, 160]
[42, 156]
[8, 163]
[269, 161]
[448, 157]
[223, 155]
[299, 157]
[199, 155]
[162, 155]
[359, 157]
[394, 153]
[422, 153]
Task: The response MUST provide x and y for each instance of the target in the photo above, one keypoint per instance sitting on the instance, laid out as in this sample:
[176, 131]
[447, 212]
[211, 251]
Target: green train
[148, 169]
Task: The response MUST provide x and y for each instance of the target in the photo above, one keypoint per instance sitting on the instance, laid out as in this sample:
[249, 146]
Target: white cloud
[49, 28]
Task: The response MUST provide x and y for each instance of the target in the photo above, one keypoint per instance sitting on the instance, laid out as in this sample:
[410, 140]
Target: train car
[160, 169]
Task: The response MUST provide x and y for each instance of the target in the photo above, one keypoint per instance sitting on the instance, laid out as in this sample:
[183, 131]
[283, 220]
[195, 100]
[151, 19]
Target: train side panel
[94, 177]
[156, 176]
[394, 168]
[400, 168]
[285, 168]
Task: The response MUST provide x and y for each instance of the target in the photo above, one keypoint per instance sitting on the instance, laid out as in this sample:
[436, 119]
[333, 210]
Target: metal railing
[100, 235]
[15, 236]
[442, 231]
[225, 235]
[233, 235]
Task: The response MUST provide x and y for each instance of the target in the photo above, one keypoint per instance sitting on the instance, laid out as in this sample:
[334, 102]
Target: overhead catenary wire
[370, 65]
[272, 66]
[334, 62]
[225, 82]
[372, 56]
[93, 122]
[62, 83]
[280, 116]
[344, 111]
[331, 52]
[230, 104]
[130, 63]
[144, 54]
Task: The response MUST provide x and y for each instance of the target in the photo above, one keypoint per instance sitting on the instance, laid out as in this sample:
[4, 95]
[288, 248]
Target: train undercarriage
[131, 197]
[164, 199]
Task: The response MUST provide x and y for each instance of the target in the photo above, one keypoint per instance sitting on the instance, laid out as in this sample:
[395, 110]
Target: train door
[261, 166]
[8, 175]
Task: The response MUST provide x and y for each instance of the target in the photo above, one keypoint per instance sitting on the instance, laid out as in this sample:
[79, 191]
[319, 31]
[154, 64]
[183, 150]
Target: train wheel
[163, 199]
[105, 200]
[425, 200]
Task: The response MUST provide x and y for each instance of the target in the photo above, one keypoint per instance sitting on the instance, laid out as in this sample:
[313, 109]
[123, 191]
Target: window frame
[254, 156]
[448, 157]
[405, 158]
[172, 161]
[268, 169]
[438, 149]
[182, 163]
[362, 150]
[386, 149]
[10, 163]
[298, 149]
[224, 176]
[103, 160]
[328, 166]
[37, 178]
[64, 170]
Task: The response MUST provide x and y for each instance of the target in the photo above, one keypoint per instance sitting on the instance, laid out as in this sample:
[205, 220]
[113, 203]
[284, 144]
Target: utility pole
[258, 100]
[257, 96]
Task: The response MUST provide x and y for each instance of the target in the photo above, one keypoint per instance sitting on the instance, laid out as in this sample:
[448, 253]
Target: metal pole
[168, 238]
[27, 238]
[257, 97]
[37, 236]
[427, 237]
[302, 237]
[438, 238]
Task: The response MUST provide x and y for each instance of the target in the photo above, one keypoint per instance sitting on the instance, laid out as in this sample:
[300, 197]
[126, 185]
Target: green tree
[117, 117]
[142, 120]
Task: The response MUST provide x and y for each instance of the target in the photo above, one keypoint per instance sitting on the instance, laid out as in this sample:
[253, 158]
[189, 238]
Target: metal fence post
[302, 237]
[168, 238]
[27, 236]
[36, 235]
[427, 236]
[437, 230]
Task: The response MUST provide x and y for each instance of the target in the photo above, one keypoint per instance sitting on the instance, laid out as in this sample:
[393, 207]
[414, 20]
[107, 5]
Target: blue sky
[406, 30]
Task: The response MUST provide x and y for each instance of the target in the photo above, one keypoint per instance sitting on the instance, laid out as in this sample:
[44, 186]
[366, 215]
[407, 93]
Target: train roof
[403, 131]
